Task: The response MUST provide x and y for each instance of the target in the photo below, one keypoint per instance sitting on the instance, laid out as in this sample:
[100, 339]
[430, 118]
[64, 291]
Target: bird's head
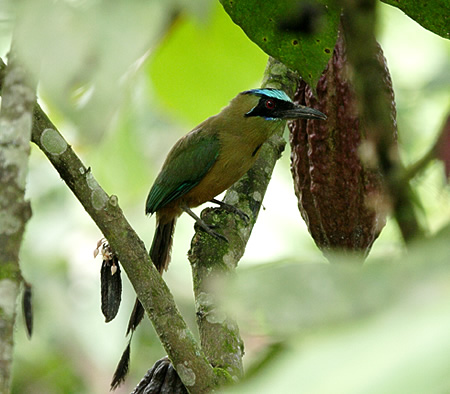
[274, 104]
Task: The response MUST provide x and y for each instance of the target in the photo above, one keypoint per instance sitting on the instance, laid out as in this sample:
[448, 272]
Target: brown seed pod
[338, 188]
[110, 280]
[27, 308]
[111, 288]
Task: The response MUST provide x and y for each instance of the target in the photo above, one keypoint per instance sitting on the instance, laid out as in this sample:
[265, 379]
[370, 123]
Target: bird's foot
[205, 227]
[233, 209]
[209, 230]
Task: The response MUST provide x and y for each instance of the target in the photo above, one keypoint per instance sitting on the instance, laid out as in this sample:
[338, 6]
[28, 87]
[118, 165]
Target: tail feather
[161, 248]
[136, 316]
[122, 368]
[160, 252]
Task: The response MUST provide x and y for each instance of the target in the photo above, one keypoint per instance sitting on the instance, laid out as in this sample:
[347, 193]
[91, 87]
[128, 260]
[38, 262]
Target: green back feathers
[185, 166]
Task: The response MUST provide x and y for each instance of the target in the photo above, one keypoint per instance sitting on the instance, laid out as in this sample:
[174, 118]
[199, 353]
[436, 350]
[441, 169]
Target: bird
[204, 163]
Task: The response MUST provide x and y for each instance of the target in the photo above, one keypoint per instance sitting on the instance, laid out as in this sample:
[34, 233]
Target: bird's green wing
[185, 166]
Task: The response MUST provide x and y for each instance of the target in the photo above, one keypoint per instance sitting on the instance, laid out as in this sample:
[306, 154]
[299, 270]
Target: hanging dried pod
[110, 280]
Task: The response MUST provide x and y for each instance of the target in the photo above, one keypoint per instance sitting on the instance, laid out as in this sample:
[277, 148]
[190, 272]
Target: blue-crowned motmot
[213, 156]
[207, 161]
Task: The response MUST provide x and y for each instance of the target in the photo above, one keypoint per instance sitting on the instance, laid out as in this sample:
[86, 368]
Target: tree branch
[18, 98]
[433, 153]
[212, 260]
[193, 368]
[187, 357]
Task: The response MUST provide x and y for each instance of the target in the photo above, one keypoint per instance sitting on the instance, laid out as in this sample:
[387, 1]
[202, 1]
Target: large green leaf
[381, 328]
[432, 15]
[301, 34]
[201, 63]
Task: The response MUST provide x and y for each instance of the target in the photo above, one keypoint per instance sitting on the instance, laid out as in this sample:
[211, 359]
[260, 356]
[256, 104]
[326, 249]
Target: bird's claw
[232, 209]
[242, 215]
[220, 236]
[208, 228]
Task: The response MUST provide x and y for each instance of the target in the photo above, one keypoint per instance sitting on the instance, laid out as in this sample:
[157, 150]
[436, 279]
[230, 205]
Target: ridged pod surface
[339, 196]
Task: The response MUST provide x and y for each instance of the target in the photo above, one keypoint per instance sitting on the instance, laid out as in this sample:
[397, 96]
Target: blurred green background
[122, 105]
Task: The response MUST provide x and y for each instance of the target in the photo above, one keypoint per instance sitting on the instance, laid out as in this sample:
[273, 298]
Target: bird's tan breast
[238, 153]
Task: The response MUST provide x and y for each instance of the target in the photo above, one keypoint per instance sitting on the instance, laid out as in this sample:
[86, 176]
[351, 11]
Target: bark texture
[212, 261]
[18, 98]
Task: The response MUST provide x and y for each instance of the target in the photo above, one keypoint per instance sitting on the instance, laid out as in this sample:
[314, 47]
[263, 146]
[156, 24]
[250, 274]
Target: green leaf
[201, 62]
[432, 15]
[301, 34]
[378, 328]
[320, 295]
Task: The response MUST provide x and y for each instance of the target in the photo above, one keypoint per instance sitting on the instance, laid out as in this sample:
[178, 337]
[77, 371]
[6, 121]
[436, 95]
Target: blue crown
[274, 93]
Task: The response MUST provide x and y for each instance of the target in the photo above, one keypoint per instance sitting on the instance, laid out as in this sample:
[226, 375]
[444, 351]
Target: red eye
[270, 104]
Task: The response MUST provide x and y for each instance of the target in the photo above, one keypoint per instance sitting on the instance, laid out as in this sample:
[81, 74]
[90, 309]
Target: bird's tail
[160, 252]
[161, 248]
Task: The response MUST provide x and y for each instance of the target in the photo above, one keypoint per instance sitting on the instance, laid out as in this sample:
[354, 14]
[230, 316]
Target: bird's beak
[302, 112]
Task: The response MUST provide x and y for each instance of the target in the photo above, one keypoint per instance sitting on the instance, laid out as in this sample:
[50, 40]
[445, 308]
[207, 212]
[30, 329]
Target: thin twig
[432, 154]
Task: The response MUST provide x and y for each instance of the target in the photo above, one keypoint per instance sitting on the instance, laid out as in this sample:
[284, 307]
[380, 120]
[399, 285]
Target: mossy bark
[213, 260]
